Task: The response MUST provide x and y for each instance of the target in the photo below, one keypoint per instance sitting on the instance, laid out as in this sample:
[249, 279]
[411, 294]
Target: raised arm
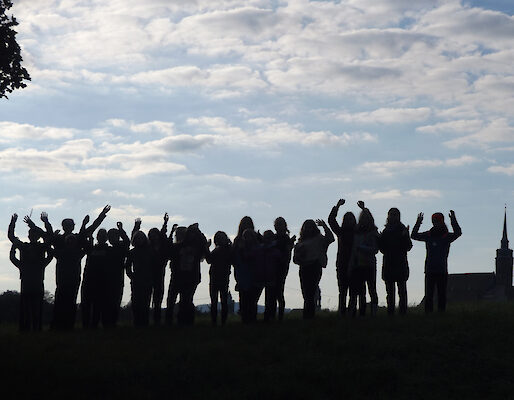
[164, 228]
[137, 227]
[96, 223]
[33, 226]
[125, 241]
[332, 217]
[329, 236]
[455, 226]
[12, 256]
[415, 231]
[10, 232]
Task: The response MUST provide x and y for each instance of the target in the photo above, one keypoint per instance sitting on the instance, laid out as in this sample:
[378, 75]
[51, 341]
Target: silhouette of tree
[12, 74]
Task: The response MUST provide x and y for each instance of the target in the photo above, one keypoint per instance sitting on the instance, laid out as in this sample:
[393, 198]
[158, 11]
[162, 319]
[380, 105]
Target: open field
[467, 353]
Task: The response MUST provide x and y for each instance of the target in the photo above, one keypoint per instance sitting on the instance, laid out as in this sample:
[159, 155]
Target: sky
[213, 110]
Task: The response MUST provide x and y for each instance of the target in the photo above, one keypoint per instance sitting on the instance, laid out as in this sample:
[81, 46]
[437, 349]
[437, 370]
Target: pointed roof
[505, 240]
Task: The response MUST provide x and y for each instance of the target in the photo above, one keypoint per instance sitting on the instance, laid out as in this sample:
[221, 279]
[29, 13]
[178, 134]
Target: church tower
[504, 262]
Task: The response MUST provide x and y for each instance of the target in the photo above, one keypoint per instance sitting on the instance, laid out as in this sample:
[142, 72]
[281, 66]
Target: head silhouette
[180, 234]
[281, 226]
[114, 236]
[349, 221]
[154, 236]
[438, 220]
[101, 236]
[393, 217]
[221, 239]
[308, 230]
[68, 225]
[246, 223]
[34, 235]
[139, 240]
[249, 237]
[268, 237]
[366, 222]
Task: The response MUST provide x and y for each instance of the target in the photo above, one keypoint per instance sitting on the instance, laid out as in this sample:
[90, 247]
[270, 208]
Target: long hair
[366, 222]
[308, 230]
[246, 223]
[281, 220]
[349, 221]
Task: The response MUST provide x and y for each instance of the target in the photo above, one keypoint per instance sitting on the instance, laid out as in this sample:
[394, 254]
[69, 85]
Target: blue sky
[212, 110]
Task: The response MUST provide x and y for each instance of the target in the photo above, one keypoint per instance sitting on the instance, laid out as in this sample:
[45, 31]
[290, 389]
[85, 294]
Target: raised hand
[27, 220]
[44, 217]
[340, 202]
[293, 239]
[452, 214]
[57, 231]
[85, 221]
[106, 209]
[166, 218]
[420, 218]
[174, 228]
[361, 205]
[137, 223]
[119, 225]
[14, 218]
[320, 222]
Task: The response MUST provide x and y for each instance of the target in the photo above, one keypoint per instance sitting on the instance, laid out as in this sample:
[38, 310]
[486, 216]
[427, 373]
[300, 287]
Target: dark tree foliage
[12, 74]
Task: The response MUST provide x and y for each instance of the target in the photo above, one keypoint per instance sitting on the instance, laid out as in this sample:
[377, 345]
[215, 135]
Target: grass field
[467, 353]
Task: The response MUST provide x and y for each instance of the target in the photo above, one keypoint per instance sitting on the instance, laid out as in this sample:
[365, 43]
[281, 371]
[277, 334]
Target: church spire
[505, 240]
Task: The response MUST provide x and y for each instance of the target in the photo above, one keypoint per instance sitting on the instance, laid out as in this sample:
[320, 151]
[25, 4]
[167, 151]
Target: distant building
[494, 286]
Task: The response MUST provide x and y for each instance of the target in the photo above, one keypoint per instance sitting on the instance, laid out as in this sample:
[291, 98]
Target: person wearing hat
[437, 241]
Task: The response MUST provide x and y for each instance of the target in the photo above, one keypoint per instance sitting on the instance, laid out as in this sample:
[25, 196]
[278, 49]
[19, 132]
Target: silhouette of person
[94, 291]
[394, 243]
[189, 253]
[344, 235]
[173, 288]
[139, 271]
[68, 252]
[310, 253]
[115, 273]
[34, 257]
[244, 268]
[362, 268]
[220, 260]
[272, 263]
[285, 245]
[248, 261]
[159, 256]
[437, 241]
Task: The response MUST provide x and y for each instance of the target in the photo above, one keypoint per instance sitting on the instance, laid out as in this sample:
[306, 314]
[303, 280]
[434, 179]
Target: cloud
[117, 193]
[389, 168]
[456, 126]
[12, 131]
[498, 131]
[502, 169]
[387, 115]
[398, 194]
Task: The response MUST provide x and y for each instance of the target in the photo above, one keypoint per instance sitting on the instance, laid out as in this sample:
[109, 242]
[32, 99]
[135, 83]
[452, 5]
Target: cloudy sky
[212, 110]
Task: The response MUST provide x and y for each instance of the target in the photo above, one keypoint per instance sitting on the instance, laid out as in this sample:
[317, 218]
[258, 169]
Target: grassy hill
[467, 353]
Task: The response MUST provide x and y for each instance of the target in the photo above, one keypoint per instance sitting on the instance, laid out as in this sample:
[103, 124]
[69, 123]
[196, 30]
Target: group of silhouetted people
[260, 263]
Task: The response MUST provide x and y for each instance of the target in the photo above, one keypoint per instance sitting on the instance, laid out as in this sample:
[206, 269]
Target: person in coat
[394, 243]
[344, 233]
[437, 241]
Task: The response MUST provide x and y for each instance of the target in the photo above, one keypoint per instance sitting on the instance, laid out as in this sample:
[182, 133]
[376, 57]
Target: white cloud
[12, 131]
[398, 194]
[456, 126]
[387, 115]
[390, 168]
[507, 169]
[498, 131]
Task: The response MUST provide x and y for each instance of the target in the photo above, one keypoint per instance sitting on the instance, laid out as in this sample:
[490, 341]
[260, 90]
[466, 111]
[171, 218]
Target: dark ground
[467, 353]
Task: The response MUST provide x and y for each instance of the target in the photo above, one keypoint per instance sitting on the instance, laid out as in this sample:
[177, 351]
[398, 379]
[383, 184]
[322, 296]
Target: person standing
[437, 241]
[362, 269]
[344, 235]
[394, 243]
[310, 253]
[285, 245]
